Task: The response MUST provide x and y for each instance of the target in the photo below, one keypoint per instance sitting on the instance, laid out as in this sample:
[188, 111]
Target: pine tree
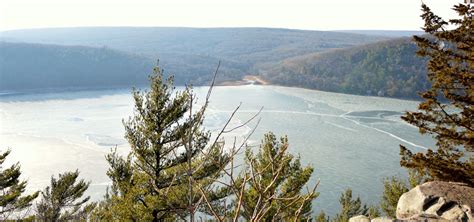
[322, 217]
[350, 207]
[373, 212]
[11, 189]
[103, 209]
[274, 191]
[393, 189]
[171, 160]
[447, 109]
[62, 199]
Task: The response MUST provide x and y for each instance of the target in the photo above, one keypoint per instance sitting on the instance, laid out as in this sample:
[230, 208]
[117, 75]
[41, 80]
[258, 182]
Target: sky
[295, 14]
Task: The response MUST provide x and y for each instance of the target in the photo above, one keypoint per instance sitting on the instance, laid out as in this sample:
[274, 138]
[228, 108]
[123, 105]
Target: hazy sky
[299, 14]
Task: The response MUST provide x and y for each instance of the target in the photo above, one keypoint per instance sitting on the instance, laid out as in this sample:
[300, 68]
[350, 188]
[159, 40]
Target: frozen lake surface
[351, 141]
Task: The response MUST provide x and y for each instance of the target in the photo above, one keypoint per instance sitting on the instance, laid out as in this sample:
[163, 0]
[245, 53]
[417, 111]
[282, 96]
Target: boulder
[383, 219]
[424, 218]
[437, 200]
[360, 218]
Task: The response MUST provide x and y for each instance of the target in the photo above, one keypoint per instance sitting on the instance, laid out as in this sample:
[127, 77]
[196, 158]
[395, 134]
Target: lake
[351, 141]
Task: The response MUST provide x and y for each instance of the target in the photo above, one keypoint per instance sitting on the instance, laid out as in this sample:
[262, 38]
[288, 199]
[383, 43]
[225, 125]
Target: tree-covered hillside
[387, 33]
[30, 66]
[331, 61]
[34, 66]
[390, 68]
[243, 48]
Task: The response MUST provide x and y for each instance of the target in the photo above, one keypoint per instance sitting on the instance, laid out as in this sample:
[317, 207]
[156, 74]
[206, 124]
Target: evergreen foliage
[11, 189]
[103, 209]
[447, 109]
[62, 199]
[350, 207]
[393, 189]
[373, 212]
[171, 157]
[322, 217]
[276, 176]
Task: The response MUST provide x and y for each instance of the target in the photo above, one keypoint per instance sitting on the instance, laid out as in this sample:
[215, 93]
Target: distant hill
[243, 49]
[390, 68]
[387, 33]
[219, 42]
[108, 56]
[33, 66]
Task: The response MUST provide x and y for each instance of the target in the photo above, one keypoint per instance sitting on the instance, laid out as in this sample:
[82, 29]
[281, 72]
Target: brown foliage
[447, 110]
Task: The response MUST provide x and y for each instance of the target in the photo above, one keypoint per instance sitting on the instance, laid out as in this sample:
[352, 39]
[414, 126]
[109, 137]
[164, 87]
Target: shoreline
[246, 80]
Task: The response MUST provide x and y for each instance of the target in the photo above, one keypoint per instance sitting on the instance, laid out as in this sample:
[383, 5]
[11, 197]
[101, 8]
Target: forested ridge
[37, 66]
[329, 61]
[32, 66]
[190, 54]
[244, 45]
[389, 68]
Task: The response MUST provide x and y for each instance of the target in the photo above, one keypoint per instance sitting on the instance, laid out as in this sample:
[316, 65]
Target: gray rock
[383, 219]
[455, 213]
[360, 218]
[424, 218]
[437, 201]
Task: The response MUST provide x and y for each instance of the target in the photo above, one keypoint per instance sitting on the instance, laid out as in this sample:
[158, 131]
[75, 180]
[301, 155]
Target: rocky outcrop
[383, 219]
[360, 218]
[433, 201]
[437, 200]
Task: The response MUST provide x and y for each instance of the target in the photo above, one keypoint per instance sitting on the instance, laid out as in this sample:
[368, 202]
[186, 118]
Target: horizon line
[216, 27]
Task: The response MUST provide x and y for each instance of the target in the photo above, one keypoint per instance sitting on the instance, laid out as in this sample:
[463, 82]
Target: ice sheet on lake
[351, 141]
[105, 140]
